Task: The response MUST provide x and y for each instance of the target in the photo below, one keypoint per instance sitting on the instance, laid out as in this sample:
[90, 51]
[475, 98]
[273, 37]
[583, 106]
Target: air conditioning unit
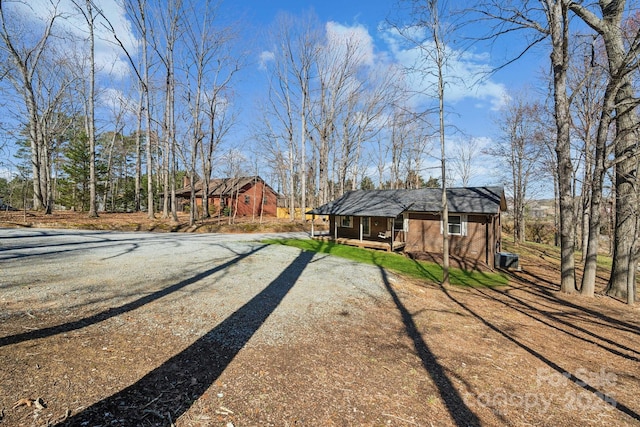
[507, 261]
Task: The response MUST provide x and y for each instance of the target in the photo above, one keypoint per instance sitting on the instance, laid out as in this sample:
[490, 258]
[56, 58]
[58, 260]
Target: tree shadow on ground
[607, 399]
[116, 311]
[455, 404]
[167, 392]
[548, 290]
[561, 321]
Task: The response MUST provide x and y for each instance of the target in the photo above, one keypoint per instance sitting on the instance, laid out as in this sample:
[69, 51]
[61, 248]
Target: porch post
[313, 219]
[361, 229]
[393, 232]
[335, 228]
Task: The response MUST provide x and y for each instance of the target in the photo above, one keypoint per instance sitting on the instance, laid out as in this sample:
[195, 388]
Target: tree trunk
[558, 26]
[146, 83]
[138, 179]
[303, 145]
[597, 179]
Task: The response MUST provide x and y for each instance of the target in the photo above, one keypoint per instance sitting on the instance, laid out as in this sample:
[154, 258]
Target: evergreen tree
[367, 184]
[74, 186]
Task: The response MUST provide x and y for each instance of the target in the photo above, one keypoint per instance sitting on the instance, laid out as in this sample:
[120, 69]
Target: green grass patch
[397, 263]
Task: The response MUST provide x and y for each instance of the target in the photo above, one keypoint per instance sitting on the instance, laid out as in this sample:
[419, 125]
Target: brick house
[247, 196]
[410, 220]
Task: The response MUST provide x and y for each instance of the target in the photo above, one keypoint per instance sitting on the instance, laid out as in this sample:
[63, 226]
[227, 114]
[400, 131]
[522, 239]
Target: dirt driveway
[135, 329]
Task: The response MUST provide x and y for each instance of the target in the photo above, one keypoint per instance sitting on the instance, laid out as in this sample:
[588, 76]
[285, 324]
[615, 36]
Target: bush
[540, 231]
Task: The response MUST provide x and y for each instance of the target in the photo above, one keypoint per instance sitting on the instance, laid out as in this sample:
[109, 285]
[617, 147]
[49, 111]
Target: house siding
[251, 199]
[480, 230]
[478, 244]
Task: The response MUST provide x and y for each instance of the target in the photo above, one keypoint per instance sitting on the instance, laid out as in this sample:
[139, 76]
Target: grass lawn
[397, 263]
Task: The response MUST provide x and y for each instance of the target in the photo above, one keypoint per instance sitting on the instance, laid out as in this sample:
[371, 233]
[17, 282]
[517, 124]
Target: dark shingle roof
[391, 203]
[221, 186]
[386, 203]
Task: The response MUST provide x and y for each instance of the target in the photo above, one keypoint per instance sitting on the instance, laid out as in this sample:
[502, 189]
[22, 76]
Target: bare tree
[364, 118]
[462, 158]
[26, 52]
[87, 11]
[397, 144]
[137, 11]
[116, 142]
[219, 116]
[169, 31]
[542, 20]
[209, 69]
[587, 85]
[233, 167]
[431, 16]
[521, 147]
[338, 64]
[278, 124]
[295, 43]
[379, 157]
[622, 56]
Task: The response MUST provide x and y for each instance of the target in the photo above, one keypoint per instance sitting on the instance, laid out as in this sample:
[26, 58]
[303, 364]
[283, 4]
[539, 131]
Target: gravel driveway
[198, 291]
[205, 273]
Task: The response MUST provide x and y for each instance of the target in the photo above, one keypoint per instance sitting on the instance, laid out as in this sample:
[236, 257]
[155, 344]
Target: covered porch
[364, 232]
[367, 219]
[368, 244]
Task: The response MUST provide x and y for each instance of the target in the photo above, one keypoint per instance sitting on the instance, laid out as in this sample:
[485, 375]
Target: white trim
[349, 219]
[463, 225]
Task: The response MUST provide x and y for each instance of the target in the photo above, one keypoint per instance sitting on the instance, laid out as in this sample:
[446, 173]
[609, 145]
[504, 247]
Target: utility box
[507, 260]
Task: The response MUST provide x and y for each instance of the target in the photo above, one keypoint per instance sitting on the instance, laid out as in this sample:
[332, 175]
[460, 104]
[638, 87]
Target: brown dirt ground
[519, 355]
[141, 222]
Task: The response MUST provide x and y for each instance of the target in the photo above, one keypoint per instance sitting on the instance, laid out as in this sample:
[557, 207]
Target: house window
[398, 223]
[458, 225]
[346, 221]
[366, 225]
[247, 199]
[401, 223]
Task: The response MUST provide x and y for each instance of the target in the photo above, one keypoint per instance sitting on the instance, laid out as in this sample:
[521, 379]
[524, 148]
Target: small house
[410, 220]
[244, 196]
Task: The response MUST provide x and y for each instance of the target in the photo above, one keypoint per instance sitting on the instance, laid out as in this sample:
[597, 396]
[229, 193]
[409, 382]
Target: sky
[473, 97]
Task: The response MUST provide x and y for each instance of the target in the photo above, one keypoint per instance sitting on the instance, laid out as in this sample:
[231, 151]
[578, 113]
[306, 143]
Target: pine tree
[74, 186]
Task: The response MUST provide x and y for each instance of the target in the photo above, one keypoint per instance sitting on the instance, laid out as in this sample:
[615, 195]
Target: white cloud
[109, 56]
[116, 100]
[6, 173]
[465, 71]
[108, 53]
[265, 58]
[355, 37]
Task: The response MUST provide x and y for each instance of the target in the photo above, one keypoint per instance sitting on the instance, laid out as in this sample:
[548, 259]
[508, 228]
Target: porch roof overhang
[380, 203]
[392, 203]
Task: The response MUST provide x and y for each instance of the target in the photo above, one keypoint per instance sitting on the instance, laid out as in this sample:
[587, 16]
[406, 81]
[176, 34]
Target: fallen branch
[37, 403]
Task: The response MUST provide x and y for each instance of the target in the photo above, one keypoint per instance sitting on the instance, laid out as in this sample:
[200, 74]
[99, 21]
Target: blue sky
[472, 106]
